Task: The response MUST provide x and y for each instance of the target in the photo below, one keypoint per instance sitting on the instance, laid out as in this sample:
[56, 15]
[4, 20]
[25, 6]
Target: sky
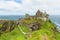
[21, 7]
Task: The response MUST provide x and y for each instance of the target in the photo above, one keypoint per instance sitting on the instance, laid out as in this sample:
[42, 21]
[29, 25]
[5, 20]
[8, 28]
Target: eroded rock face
[4, 26]
[34, 26]
[7, 26]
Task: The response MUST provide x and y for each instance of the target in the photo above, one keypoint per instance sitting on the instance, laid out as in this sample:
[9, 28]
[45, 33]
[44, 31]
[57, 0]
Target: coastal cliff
[37, 27]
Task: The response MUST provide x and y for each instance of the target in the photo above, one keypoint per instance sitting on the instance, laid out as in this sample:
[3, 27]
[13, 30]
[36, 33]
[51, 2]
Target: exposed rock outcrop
[7, 26]
[34, 26]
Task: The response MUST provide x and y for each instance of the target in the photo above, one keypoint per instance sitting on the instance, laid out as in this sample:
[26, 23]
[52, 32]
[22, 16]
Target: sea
[53, 18]
[56, 20]
[11, 17]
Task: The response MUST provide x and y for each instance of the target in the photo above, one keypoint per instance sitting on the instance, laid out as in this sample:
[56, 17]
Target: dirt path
[45, 37]
[20, 29]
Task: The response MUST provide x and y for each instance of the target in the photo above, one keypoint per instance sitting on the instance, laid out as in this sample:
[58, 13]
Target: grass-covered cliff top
[47, 31]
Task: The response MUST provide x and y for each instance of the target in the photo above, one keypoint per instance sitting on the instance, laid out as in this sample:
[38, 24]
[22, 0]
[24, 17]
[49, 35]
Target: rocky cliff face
[7, 26]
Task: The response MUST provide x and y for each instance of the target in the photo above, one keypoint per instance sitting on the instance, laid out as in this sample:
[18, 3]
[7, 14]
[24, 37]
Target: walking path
[20, 29]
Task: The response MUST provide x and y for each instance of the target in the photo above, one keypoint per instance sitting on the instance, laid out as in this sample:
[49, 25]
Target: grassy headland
[38, 27]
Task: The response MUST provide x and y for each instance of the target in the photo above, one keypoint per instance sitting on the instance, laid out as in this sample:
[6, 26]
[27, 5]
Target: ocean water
[53, 18]
[11, 17]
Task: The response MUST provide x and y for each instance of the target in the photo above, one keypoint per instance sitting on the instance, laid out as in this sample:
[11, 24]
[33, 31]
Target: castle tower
[45, 14]
[27, 15]
[38, 13]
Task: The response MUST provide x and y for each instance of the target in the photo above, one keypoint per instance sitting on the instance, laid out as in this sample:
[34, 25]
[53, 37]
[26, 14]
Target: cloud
[30, 6]
[10, 5]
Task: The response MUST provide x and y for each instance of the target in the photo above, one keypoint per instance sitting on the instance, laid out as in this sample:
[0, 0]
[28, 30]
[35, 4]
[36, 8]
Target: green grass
[14, 35]
[39, 34]
[57, 36]
[25, 28]
[44, 31]
[47, 31]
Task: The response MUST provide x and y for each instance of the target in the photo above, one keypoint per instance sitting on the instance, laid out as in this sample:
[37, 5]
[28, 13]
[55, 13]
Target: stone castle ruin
[39, 15]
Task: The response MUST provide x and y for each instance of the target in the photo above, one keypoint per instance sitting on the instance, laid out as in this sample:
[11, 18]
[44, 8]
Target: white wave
[57, 24]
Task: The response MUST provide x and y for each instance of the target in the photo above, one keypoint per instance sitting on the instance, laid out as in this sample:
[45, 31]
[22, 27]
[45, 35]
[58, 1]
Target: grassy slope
[44, 33]
[14, 35]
